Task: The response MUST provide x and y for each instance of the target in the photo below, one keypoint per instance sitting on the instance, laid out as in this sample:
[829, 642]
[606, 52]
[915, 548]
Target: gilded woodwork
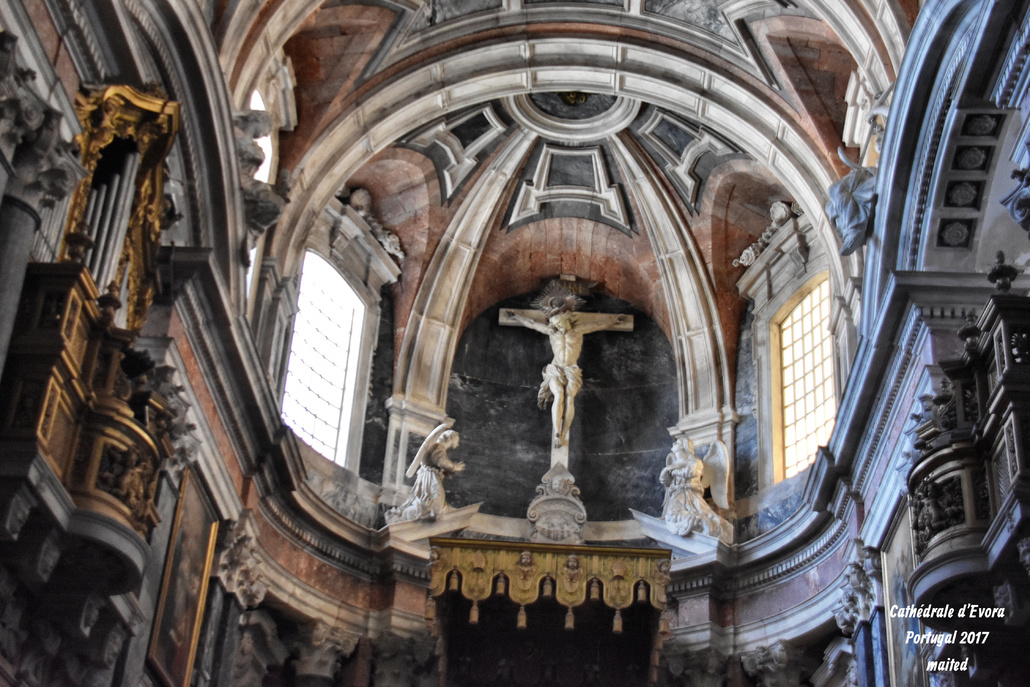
[151, 121]
[525, 572]
[103, 434]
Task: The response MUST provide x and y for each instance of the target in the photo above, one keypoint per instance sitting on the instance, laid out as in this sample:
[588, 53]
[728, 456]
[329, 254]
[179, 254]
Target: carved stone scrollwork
[1017, 202]
[320, 648]
[259, 648]
[778, 665]
[1023, 546]
[937, 507]
[361, 200]
[262, 205]
[556, 513]
[856, 599]
[15, 513]
[179, 430]
[696, 669]
[401, 661]
[46, 167]
[238, 567]
[783, 216]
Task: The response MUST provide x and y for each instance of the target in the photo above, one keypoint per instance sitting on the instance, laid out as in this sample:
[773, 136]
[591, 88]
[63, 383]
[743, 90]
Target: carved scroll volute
[151, 121]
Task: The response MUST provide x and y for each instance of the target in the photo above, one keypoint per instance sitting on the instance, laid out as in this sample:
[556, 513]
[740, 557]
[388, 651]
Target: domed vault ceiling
[637, 144]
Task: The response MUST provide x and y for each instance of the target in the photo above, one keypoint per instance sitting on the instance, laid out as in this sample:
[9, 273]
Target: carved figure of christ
[563, 377]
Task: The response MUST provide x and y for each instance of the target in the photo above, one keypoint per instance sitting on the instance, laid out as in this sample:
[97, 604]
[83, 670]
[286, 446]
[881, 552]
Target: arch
[177, 32]
[703, 95]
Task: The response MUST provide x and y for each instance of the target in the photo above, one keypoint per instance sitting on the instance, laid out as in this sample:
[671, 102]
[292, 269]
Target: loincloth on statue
[569, 376]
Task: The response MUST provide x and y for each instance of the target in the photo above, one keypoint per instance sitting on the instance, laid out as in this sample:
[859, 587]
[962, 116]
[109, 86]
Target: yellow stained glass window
[809, 403]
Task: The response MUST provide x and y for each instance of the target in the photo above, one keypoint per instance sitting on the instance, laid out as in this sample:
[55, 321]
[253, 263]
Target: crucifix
[556, 316]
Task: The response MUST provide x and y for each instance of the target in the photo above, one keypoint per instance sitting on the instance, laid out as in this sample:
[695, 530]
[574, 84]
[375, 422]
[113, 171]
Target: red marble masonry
[329, 51]
[766, 603]
[520, 260]
[207, 408]
[734, 213]
[318, 574]
[55, 47]
[814, 69]
[294, 146]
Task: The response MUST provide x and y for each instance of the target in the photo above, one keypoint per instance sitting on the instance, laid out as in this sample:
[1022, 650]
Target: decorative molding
[556, 512]
[610, 122]
[1014, 78]
[777, 665]
[239, 563]
[151, 120]
[607, 197]
[857, 599]
[569, 574]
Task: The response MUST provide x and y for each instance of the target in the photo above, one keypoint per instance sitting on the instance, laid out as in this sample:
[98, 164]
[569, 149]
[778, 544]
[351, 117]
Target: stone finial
[856, 599]
[776, 665]
[556, 512]
[1001, 275]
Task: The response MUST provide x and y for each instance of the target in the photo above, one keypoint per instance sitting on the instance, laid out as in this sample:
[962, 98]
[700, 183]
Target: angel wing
[427, 445]
[716, 473]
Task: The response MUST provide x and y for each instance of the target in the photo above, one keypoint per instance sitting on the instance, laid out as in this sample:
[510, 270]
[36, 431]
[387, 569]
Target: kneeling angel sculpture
[427, 500]
[685, 478]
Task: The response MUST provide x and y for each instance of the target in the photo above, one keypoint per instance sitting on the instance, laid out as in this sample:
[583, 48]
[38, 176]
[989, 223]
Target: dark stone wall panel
[380, 387]
[619, 438]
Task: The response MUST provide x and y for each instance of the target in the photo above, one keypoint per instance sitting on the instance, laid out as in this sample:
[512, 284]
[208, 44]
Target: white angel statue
[685, 478]
[427, 499]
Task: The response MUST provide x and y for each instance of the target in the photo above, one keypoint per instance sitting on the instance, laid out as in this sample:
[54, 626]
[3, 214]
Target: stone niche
[618, 442]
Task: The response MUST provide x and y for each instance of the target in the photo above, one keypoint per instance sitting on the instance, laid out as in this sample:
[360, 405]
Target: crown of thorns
[556, 298]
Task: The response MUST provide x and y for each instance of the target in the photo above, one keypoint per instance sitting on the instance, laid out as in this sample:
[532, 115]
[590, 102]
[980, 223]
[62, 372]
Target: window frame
[778, 410]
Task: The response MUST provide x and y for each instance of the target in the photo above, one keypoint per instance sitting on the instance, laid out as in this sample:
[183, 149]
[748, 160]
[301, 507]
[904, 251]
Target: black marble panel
[774, 514]
[745, 437]
[746, 528]
[445, 10]
[672, 135]
[469, 131]
[704, 14]
[612, 3]
[618, 440]
[380, 388]
[571, 170]
[592, 105]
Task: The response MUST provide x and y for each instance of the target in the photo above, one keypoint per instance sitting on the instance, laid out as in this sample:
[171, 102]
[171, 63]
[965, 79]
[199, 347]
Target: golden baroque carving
[525, 572]
[151, 121]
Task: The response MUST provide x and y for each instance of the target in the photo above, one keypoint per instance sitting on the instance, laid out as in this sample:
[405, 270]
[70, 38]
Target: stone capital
[239, 564]
[776, 665]
[320, 648]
